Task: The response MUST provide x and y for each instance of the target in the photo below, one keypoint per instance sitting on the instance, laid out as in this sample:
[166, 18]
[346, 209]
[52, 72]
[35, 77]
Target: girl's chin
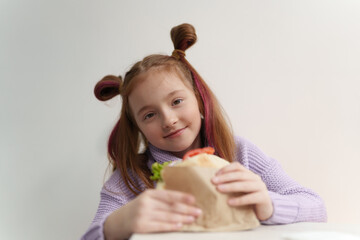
[180, 152]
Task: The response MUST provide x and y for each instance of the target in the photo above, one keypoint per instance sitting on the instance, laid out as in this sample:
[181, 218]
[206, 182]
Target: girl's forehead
[155, 88]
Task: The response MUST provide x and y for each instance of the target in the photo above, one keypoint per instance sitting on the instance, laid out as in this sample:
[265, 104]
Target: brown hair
[125, 139]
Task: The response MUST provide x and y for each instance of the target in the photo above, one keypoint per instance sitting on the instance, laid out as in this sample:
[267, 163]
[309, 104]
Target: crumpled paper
[217, 214]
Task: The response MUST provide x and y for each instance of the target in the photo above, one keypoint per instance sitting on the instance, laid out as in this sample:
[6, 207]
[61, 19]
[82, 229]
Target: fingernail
[198, 211]
[178, 225]
[190, 218]
[215, 179]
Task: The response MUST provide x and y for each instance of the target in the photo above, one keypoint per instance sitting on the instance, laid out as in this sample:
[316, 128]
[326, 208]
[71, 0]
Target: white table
[275, 232]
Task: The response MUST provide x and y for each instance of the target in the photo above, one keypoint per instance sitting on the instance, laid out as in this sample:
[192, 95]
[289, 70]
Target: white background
[286, 72]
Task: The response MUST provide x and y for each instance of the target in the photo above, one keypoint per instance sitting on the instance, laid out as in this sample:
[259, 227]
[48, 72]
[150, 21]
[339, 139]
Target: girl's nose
[169, 119]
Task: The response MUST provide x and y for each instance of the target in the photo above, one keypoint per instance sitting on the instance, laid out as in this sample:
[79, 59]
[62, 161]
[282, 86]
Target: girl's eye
[177, 101]
[150, 115]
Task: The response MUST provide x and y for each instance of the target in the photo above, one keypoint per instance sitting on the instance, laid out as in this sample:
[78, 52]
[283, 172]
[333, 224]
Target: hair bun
[108, 87]
[183, 36]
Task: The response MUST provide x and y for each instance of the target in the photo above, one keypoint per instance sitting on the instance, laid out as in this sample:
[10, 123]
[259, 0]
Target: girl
[167, 107]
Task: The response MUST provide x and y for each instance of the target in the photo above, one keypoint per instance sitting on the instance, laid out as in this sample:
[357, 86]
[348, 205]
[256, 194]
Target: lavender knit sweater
[292, 202]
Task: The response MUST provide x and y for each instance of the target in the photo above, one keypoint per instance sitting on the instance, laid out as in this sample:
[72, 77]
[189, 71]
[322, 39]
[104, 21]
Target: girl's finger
[179, 208]
[247, 199]
[245, 187]
[156, 226]
[171, 217]
[235, 176]
[234, 166]
[170, 196]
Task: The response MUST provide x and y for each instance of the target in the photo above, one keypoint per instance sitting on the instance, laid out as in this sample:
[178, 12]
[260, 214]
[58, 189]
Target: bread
[200, 160]
[193, 176]
[203, 160]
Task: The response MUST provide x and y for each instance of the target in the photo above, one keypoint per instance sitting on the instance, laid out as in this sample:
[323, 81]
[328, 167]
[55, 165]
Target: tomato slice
[194, 152]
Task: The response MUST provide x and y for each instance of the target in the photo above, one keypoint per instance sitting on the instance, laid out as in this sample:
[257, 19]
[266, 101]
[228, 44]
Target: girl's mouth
[175, 133]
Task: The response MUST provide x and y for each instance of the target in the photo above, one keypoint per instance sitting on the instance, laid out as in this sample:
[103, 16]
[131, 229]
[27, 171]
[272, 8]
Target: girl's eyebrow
[168, 96]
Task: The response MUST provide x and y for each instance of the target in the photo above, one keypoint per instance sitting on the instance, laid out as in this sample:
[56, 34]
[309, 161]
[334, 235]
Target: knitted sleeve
[112, 197]
[291, 201]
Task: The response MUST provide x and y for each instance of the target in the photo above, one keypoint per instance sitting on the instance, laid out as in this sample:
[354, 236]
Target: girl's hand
[235, 178]
[153, 211]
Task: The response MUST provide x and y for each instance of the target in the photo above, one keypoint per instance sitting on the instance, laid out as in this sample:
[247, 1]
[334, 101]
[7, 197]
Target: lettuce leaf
[156, 169]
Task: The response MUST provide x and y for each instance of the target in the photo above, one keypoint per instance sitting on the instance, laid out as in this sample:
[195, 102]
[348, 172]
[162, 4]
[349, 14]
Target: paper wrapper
[217, 214]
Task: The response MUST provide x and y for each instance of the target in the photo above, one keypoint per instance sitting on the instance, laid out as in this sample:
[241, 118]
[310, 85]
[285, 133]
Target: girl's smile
[166, 111]
[175, 133]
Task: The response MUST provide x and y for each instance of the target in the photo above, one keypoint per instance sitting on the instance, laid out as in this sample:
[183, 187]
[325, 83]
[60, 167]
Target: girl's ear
[108, 87]
[143, 142]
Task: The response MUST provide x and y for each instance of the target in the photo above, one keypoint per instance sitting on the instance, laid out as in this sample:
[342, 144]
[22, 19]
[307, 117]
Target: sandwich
[193, 175]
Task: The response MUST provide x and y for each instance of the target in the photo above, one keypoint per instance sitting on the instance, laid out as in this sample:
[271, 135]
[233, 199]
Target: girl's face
[166, 111]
